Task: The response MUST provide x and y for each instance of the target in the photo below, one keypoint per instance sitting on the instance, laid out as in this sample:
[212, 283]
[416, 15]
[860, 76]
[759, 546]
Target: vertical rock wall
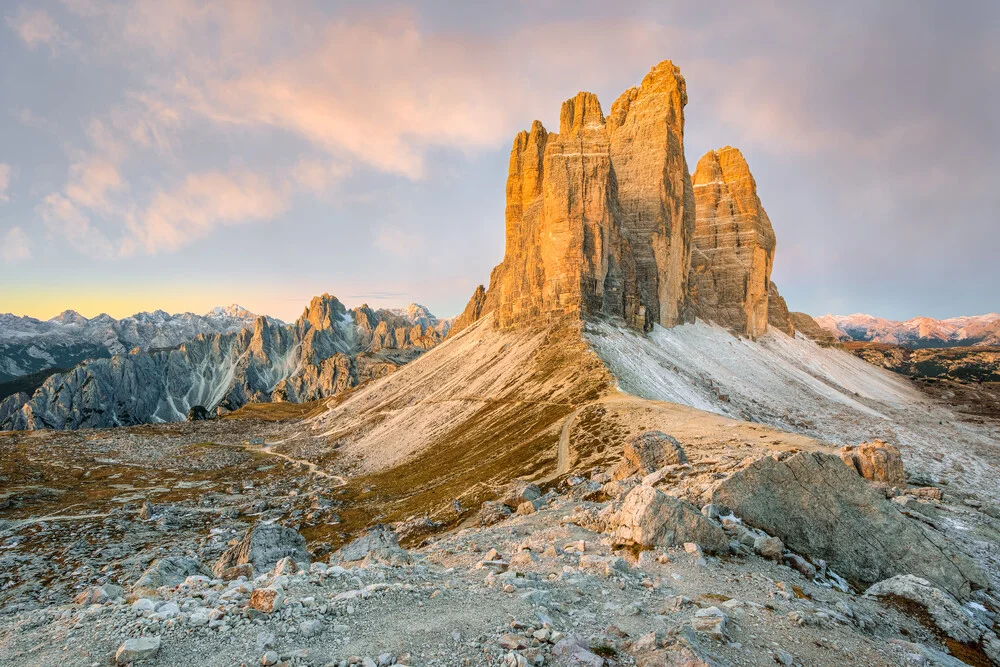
[734, 245]
[600, 216]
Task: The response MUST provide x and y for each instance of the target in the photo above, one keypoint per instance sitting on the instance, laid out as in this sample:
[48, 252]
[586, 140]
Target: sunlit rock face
[600, 215]
[733, 245]
[778, 316]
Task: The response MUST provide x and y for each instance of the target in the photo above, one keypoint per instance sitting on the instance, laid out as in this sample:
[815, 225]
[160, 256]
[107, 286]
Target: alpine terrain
[626, 450]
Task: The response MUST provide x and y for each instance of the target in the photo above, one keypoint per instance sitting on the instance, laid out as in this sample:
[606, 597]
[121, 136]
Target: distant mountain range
[919, 332]
[30, 346]
[327, 350]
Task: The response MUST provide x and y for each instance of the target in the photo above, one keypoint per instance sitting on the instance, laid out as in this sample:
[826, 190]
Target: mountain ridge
[326, 351]
[916, 332]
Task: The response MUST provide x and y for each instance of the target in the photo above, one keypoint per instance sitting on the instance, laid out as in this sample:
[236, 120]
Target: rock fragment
[137, 650]
[876, 461]
[262, 547]
[650, 518]
[380, 544]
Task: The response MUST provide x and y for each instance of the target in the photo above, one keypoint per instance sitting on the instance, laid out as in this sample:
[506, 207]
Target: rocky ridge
[919, 332]
[328, 350]
[28, 345]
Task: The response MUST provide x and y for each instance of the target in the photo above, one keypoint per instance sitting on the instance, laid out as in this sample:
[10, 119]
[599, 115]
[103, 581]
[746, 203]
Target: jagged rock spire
[734, 245]
[599, 216]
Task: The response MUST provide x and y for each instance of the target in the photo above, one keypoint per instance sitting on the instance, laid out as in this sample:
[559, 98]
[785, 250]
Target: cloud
[398, 242]
[317, 175]
[29, 118]
[4, 182]
[203, 202]
[36, 28]
[15, 245]
[65, 221]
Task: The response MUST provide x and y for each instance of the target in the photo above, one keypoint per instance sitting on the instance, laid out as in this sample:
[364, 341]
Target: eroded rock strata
[734, 245]
[600, 215]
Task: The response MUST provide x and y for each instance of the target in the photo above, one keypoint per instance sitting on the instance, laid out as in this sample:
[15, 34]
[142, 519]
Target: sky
[187, 154]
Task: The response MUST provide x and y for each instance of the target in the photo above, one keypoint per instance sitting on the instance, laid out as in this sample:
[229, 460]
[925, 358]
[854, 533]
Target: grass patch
[276, 412]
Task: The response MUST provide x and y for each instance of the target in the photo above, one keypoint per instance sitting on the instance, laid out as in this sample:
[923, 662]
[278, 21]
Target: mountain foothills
[29, 346]
[919, 332]
[327, 350]
[626, 451]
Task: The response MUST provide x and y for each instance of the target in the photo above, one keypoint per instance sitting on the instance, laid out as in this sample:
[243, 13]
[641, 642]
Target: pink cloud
[36, 28]
[15, 245]
[202, 202]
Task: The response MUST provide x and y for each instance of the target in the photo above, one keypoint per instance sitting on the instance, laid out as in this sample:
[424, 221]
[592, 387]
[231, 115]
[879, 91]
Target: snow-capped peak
[234, 311]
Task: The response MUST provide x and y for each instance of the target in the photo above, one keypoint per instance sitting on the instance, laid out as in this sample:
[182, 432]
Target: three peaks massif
[602, 219]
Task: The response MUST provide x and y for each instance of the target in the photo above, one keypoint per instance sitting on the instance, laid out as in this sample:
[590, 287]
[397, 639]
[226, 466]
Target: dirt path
[562, 464]
[313, 468]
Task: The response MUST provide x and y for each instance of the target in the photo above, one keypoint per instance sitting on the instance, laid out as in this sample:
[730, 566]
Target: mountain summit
[603, 218]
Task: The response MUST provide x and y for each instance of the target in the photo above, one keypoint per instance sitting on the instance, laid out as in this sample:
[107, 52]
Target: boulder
[137, 650]
[170, 571]
[650, 518]
[520, 491]
[267, 600]
[943, 609]
[876, 461]
[648, 452]
[262, 547]
[768, 547]
[678, 647]
[197, 413]
[493, 512]
[822, 509]
[99, 594]
[380, 544]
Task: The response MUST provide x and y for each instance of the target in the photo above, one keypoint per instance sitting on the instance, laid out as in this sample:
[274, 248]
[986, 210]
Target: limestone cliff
[600, 216]
[778, 316]
[734, 245]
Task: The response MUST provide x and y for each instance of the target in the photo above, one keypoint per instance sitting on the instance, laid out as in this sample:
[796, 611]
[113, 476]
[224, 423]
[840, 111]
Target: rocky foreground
[666, 556]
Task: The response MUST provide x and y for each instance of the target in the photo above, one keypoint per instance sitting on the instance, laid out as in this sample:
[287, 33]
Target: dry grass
[276, 412]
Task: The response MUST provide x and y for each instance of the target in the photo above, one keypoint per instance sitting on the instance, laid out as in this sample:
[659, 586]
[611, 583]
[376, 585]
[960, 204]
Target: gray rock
[380, 544]
[822, 509]
[493, 512]
[676, 648]
[136, 650]
[947, 614]
[197, 413]
[768, 547]
[170, 571]
[647, 452]
[311, 628]
[651, 518]
[262, 547]
[519, 492]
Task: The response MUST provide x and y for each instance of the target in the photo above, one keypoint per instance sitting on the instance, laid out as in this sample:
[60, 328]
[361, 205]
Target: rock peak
[323, 311]
[734, 247]
[600, 216]
[580, 112]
